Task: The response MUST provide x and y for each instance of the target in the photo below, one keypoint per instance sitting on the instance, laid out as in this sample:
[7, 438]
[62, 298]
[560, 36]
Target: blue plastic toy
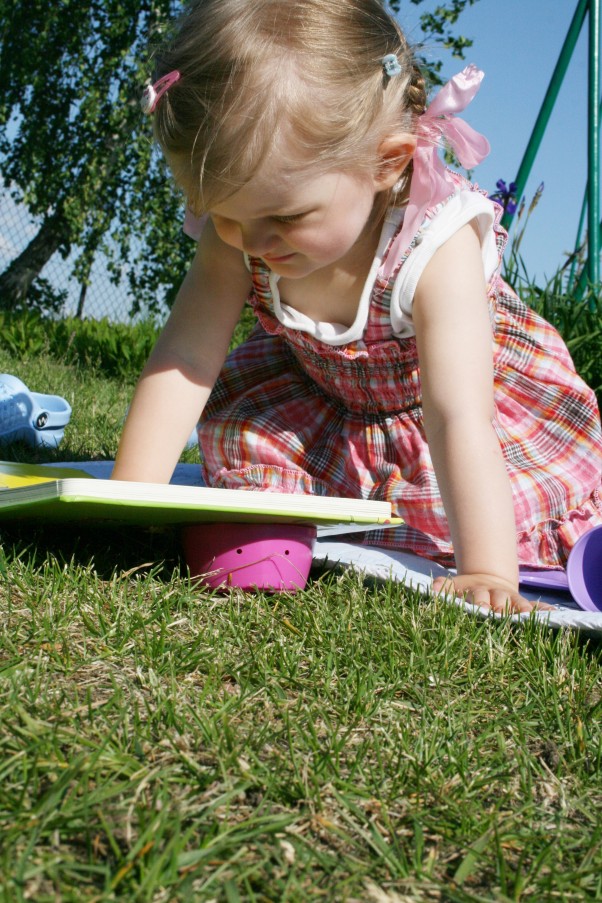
[39, 420]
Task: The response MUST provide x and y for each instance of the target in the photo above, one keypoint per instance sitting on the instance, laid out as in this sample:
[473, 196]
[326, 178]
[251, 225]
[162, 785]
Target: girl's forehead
[288, 177]
[275, 190]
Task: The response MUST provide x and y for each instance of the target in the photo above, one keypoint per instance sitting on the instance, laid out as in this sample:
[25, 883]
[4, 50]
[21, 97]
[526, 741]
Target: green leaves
[73, 142]
[437, 28]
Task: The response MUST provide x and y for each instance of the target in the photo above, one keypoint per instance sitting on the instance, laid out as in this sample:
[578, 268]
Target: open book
[49, 493]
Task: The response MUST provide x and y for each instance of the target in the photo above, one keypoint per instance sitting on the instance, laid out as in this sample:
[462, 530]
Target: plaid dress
[290, 413]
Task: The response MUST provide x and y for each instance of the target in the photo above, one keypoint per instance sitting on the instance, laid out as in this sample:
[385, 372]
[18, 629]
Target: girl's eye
[294, 218]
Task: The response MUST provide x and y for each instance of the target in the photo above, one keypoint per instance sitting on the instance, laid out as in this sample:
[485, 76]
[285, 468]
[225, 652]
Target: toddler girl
[389, 360]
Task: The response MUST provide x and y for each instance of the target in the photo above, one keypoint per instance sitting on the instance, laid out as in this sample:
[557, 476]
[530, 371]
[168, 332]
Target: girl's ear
[394, 153]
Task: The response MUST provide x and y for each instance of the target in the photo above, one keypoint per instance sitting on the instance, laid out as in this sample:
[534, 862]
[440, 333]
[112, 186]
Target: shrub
[579, 322]
[115, 349]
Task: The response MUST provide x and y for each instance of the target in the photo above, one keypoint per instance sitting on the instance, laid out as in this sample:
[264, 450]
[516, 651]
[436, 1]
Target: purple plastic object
[272, 557]
[583, 575]
[541, 578]
[584, 570]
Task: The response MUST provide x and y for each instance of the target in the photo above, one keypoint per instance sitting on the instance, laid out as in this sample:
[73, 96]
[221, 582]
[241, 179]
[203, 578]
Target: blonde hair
[251, 68]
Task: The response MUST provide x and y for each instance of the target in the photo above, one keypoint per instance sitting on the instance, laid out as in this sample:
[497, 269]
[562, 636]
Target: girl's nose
[257, 239]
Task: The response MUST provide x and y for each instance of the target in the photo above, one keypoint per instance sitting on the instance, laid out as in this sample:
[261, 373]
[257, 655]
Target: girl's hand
[488, 592]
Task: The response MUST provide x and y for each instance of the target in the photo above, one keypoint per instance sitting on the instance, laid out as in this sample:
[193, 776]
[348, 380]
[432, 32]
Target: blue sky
[517, 44]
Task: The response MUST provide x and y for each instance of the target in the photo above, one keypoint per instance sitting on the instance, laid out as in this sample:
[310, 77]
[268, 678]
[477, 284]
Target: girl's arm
[455, 348]
[185, 362]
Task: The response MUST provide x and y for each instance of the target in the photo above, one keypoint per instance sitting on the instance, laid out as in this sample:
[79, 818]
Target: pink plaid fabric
[291, 414]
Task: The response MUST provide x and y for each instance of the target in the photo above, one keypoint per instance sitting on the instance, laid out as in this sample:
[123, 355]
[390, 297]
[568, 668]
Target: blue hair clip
[391, 65]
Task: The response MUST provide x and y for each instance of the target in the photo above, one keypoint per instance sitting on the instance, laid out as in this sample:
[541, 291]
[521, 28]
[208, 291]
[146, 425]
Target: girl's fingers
[499, 600]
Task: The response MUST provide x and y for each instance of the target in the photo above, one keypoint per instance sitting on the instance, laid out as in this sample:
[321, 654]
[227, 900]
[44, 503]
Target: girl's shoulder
[464, 189]
[404, 265]
[440, 221]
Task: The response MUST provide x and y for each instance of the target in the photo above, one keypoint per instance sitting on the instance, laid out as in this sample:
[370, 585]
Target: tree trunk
[21, 272]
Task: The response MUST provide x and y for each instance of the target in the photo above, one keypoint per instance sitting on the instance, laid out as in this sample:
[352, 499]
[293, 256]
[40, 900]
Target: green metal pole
[593, 147]
[582, 216]
[549, 101]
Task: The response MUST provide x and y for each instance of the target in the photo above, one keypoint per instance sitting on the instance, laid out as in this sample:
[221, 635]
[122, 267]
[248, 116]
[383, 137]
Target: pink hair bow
[431, 180]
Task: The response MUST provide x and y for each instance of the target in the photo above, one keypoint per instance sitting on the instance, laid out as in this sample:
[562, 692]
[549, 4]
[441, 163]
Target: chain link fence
[98, 299]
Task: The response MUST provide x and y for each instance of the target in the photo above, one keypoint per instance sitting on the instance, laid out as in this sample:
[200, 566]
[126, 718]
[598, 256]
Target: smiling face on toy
[269, 557]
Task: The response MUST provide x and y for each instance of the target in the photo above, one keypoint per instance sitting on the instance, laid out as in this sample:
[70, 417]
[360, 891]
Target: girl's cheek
[305, 235]
[228, 231]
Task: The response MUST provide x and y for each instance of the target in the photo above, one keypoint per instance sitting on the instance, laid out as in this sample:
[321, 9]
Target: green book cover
[48, 493]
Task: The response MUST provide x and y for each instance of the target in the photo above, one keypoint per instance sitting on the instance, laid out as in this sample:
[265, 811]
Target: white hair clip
[391, 65]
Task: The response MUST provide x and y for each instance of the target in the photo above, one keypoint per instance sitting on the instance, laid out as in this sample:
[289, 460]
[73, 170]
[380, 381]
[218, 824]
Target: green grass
[164, 743]
[352, 742]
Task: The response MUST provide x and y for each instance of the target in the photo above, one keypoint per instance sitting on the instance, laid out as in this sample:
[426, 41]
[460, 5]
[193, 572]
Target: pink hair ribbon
[431, 180]
[153, 93]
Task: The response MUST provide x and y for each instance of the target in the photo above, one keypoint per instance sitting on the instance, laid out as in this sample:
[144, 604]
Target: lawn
[352, 742]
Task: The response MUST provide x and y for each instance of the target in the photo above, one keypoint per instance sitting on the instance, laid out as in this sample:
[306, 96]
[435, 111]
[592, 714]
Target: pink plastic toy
[271, 557]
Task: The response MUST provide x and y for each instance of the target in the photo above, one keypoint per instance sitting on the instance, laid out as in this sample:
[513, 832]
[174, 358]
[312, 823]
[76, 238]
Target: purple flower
[505, 196]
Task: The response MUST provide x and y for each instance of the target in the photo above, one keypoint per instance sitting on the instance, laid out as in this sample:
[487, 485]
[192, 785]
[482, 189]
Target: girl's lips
[282, 259]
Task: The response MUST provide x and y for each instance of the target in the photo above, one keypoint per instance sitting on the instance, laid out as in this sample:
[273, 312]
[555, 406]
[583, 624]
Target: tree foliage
[75, 149]
[74, 146]
[438, 27]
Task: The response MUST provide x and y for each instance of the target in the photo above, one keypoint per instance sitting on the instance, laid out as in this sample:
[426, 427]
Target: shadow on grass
[108, 548]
